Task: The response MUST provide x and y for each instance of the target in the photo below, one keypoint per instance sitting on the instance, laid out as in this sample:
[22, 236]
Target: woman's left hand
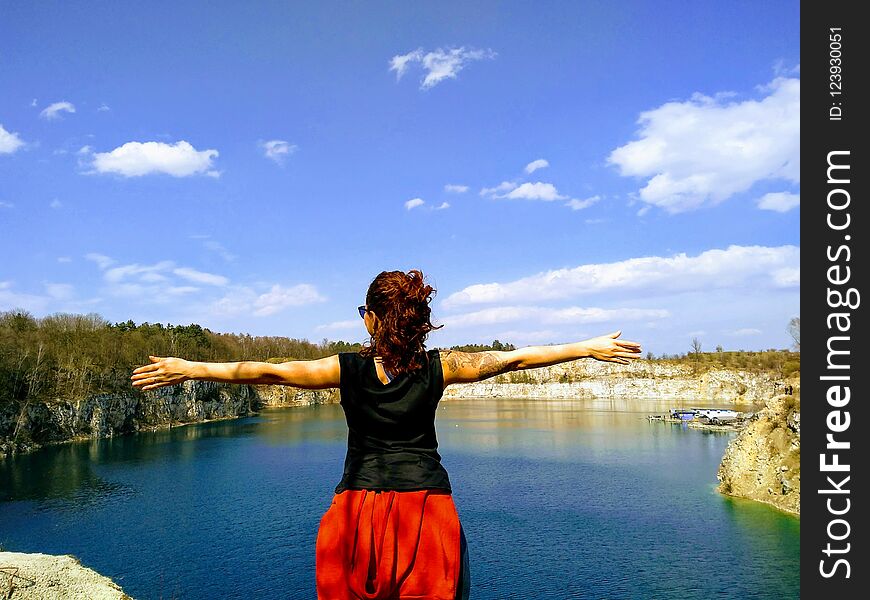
[161, 372]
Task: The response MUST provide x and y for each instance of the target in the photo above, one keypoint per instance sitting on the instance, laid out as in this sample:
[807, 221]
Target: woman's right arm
[466, 367]
[317, 374]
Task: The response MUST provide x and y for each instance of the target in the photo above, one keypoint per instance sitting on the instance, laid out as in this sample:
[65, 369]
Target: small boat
[683, 414]
[717, 415]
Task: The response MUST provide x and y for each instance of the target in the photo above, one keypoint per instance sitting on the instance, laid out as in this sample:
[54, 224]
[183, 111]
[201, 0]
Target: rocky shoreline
[762, 462]
[107, 415]
[36, 576]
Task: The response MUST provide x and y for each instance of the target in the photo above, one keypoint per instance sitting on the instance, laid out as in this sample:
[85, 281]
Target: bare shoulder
[466, 367]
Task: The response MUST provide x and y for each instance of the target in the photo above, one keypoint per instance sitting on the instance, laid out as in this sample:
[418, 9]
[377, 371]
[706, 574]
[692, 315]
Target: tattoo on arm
[482, 364]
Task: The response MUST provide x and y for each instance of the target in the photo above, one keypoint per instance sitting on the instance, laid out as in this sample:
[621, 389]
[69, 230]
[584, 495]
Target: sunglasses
[362, 311]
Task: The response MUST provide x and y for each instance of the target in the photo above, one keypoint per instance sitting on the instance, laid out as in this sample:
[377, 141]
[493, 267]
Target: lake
[558, 499]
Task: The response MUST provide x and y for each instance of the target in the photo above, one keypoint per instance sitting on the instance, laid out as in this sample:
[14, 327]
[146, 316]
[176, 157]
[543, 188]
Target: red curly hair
[401, 303]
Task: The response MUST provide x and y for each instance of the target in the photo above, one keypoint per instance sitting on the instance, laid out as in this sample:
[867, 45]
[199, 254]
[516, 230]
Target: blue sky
[557, 170]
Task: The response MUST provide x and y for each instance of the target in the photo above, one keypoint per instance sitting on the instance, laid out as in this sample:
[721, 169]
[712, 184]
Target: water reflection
[602, 429]
[603, 504]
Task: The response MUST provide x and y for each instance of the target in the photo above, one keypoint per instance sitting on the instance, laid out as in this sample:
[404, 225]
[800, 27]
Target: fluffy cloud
[243, 300]
[581, 204]
[10, 299]
[54, 111]
[9, 141]
[524, 191]
[200, 277]
[103, 261]
[497, 191]
[779, 201]
[59, 291]
[414, 203]
[536, 164]
[340, 325]
[439, 64]
[535, 191]
[733, 267]
[745, 331]
[278, 150]
[134, 159]
[279, 297]
[705, 150]
[455, 189]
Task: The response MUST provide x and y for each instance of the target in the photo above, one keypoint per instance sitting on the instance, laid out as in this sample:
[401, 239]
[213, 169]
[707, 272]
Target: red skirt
[389, 545]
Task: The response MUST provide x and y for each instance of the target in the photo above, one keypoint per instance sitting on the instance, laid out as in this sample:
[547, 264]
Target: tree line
[71, 356]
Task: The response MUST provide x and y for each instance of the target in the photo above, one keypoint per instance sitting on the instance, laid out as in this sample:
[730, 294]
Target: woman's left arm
[310, 374]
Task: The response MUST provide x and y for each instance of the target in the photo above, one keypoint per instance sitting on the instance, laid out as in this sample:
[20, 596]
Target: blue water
[558, 499]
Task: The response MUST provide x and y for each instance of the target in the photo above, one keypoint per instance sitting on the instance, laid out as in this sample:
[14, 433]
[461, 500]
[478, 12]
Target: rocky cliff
[763, 462]
[639, 379]
[107, 415]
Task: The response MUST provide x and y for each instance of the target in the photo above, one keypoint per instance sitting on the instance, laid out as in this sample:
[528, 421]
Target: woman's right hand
[608, 348]
[161, 372]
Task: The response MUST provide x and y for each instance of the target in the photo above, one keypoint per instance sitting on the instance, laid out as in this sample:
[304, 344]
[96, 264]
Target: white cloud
[340, 325]
[280, 297]
[179, 290]
[779, 201]
[278, 150]
[536, 164]
[55, 204]
[243, 300]
[10, 299]
[550, 316]
[102, 260]
[200, 277]
[147, 272]
[745, 331]
[53, 111]
[217, 248]
[442, 206]
[59, 291]
[455, 189]
[414, 203]
[439, 64]
[400, 63]
[85, 150]
[534, 191]
[576, 204]
[9, 141]
[134, 159]
[504, 186]
[705, 150]
[733, 267]
[103, 108]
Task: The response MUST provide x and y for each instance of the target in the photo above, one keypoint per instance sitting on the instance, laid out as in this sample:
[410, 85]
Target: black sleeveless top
[391, 441]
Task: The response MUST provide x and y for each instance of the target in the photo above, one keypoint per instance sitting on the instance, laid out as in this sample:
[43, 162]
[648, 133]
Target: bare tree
[696, 352]
[794, 330]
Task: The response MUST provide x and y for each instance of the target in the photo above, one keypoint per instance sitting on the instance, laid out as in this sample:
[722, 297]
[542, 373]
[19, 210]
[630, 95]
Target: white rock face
[762, 462]
[46, 576]
[639, 379]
